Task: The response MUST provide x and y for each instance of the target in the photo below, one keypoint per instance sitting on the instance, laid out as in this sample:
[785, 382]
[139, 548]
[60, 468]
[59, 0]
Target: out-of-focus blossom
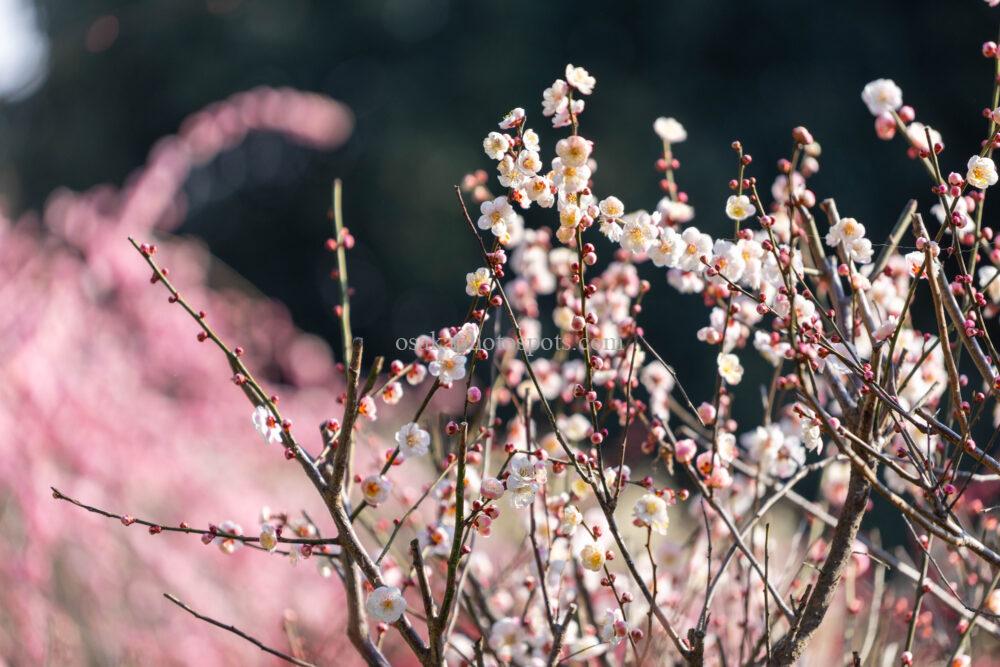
[669, 130]
[882, 96]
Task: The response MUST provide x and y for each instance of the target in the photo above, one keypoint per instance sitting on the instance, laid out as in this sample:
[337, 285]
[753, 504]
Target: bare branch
[239, 633]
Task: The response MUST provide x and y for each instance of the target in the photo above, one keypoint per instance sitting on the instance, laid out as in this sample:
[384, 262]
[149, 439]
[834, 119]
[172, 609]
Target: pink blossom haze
[106, 395]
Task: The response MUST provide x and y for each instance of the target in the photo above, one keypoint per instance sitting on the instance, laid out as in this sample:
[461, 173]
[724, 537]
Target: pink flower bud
[802, 136]
[685, 450]
[885, 127]
[491, 488]
[482, 524]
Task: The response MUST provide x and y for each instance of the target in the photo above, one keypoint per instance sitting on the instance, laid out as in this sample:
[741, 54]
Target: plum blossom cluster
[687, 562]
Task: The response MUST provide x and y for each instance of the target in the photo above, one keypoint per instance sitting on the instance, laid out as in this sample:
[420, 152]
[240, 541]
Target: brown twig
[239, 633]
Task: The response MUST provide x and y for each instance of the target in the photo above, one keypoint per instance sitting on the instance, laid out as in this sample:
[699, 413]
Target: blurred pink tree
[107, 395]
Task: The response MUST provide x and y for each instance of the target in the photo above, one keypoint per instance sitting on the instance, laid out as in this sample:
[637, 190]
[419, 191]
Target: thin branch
[239, 633]
[182, 528]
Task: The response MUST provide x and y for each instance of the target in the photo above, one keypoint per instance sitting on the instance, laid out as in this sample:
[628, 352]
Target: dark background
[428, 79]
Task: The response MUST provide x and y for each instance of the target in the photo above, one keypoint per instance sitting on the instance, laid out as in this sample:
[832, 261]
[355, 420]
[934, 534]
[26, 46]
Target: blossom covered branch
[532, 542]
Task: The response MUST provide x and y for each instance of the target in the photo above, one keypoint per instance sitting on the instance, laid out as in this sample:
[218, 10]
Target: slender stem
[239, 633]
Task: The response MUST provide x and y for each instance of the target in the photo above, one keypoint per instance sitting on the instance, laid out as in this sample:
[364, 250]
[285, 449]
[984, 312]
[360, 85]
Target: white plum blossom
[611, 474]
[730, 368]
[569, 217]
[992, 603]
[268, 537]
[669, 130]
[496, 145]
[885, 329]
[574, 151]
[696, 246]
[805, 310]
[529, 139]
[611, 229]
[845, 231]
[613, 628]
[555, 98]
[512, 119]
[882, 96]
[752, 253]
[448, 367]
[571, 520]
[225, 538]
[556, 103]
[437, 539]
[685, 282]
[812, 436]
[639, 233]
[739, 207]
[656, 378]
[651, 510]
[575, 427]
[611, 208]
[666, 251]
[917, 134]
[507, 638]
[509, 175]
[962, 209]
[851, 234]
[772, 349]
[788, 458]
[375, 489]
[592, 557]
[571, 178]
[526, 477]
[266, 424]
[675, 212]
[727, 260]
[412, 440]
[496, 215]
[539, 190]
[810, 433]
[860, 251]
[989, 282]
[466, 338]
[529, 162]
[580, 79]
[386, 603]
[478, 282]
[982, 173]
[725, 446]
[772, 448]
